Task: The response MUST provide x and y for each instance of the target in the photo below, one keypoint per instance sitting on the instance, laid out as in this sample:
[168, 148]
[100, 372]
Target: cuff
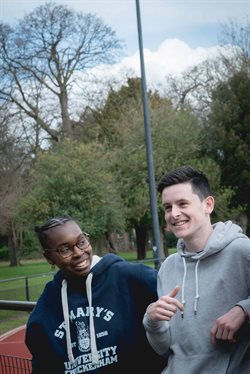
[245, 312]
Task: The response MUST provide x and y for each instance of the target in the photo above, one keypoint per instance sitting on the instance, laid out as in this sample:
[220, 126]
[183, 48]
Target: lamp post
[153, 200]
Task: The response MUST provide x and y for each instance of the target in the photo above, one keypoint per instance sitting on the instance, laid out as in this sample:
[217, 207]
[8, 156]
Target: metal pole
[26, 306]
[153, 200]
[27, 289]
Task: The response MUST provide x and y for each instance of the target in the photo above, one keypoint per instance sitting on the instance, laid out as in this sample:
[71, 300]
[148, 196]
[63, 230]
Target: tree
[176, 139]
[193, 88]
[74, 179]
[115, 132]
[44, 62]
[237, 34]
[228, 136]
[13, 166]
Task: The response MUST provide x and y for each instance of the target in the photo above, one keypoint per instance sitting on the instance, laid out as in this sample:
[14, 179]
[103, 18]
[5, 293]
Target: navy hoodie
[94, 324]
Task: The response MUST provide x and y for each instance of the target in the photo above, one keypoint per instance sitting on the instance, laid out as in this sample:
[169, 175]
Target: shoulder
[137, 270]
[169, 264]
[139, 276]
[240, 245]
[50, 295]
[170, 260]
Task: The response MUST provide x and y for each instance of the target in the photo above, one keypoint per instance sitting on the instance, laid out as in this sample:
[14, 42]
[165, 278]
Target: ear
[48, 256]
[209, 204]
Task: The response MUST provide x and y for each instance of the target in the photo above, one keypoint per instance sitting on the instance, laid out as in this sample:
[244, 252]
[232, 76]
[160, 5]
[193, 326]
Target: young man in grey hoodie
[200, 321]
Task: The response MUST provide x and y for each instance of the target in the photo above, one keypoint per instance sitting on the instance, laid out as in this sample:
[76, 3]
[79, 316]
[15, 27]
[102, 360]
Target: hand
[227, 325]
[165, 307]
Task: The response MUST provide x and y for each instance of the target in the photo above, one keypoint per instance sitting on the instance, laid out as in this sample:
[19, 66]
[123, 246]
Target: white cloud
[172, 57]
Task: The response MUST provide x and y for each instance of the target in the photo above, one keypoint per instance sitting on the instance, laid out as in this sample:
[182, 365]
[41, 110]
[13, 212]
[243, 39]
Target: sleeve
[158, 335]
[43, 361]
[158, 332]
[245, 304]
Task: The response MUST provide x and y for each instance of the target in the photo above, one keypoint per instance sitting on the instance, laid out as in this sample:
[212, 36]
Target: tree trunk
[111, 242]
[165, 244]
[67, 127]
[141, 240]
[14, 260]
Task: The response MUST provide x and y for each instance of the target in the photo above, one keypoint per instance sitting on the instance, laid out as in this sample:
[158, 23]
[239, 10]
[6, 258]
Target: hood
[98, 267]
[223, 234]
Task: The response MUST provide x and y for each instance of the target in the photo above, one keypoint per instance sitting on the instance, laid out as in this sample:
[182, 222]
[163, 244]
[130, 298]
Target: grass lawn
[33, 275]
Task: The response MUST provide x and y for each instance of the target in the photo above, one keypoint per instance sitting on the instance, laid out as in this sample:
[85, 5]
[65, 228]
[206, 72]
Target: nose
[175, 211]
[76, 251]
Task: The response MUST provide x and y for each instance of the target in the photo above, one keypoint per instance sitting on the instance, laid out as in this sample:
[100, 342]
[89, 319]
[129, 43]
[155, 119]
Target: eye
[167, 208]
[82, 242]
[64, 249]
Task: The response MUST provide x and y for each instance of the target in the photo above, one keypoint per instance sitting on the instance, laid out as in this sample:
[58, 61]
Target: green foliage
[4, 253]
[177, 138]
[74, 179]
[118, 104]
[228, 136]
[30, 247]
[171, 240]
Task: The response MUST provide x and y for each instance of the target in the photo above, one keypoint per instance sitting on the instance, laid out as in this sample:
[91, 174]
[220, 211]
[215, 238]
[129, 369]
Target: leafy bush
[4, 253]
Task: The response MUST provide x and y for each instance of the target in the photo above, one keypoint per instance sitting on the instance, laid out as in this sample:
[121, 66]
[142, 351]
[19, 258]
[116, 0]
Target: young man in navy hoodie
[89, 317]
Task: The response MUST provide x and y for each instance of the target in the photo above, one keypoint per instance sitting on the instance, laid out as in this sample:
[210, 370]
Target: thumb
[174, 292]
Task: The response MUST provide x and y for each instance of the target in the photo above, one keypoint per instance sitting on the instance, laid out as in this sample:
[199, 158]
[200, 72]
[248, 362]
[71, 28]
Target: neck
[198, 243]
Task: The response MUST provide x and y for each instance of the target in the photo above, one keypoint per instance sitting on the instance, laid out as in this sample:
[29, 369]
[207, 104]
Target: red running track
[12, 343]
[14, 355]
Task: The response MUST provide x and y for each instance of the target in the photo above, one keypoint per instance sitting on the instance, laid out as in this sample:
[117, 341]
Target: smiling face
[187, 216]
[79, 263]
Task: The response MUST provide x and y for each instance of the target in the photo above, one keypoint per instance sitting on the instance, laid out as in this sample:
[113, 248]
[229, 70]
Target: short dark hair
[187, 174]
[41, 230]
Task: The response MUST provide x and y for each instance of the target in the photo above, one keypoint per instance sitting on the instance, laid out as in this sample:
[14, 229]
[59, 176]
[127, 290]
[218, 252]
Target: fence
[14, 365]
[26, 306]
[24, 288]
[16, 295]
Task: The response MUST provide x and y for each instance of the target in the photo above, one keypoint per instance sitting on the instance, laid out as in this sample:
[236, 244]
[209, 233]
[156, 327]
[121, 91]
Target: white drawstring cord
[197, 296]
[183, 285]
[94, 352]
[66, 319]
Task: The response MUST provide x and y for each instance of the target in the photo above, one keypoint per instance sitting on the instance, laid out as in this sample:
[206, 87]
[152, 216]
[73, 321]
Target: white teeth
[83, 263]
[180, 223]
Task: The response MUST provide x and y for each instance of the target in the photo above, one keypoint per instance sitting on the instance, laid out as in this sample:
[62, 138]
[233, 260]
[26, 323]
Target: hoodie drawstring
[183, 285]
[197, 296]
[94, 352]
[66, 320]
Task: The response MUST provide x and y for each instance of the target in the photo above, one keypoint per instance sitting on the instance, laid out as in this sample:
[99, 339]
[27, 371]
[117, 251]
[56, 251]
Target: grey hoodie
[212, 282]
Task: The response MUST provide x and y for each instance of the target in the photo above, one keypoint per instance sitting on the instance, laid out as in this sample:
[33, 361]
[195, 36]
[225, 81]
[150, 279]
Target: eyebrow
[176, 202]
[78, 237]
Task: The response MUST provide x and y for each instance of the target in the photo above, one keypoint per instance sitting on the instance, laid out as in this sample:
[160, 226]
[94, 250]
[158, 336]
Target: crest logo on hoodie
[83, 336]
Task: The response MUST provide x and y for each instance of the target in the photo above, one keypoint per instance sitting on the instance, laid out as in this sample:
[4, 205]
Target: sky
[176, 34]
